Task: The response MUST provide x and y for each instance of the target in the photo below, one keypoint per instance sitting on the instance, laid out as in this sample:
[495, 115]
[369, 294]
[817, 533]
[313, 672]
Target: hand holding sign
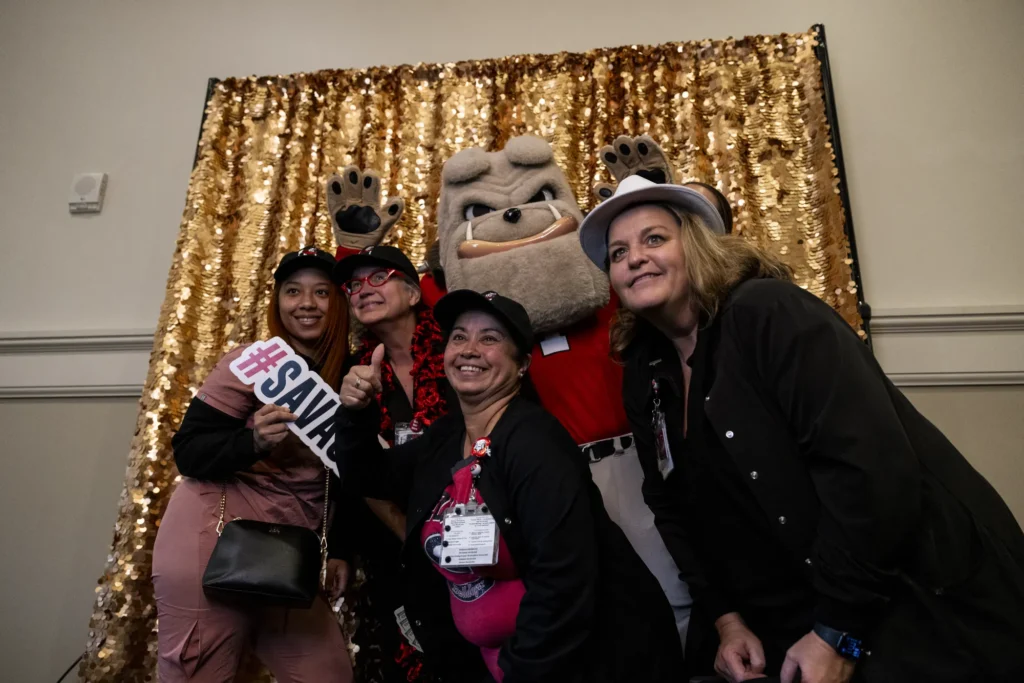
[362, 383]
[298, 400]
[270, 426]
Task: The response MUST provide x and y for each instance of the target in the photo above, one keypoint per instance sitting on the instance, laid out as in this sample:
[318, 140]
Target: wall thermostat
[87, 190]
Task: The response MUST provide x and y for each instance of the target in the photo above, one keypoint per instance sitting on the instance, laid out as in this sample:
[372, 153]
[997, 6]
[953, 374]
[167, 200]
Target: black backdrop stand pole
[821, 52]
[210, 85]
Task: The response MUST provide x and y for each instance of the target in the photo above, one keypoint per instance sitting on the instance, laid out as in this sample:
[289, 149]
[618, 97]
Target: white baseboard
[917, 348]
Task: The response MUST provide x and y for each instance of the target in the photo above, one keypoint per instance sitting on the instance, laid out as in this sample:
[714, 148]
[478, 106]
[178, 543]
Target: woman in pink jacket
[230, 443]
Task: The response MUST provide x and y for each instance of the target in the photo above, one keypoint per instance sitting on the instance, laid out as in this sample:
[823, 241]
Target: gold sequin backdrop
[745, 114]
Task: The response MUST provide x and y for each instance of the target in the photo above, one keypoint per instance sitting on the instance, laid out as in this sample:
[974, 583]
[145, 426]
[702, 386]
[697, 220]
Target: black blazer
[892, 526]
[592, 611]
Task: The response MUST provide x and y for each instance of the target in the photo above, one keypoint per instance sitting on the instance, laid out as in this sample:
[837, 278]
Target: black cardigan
[876, 506]
[592, 611]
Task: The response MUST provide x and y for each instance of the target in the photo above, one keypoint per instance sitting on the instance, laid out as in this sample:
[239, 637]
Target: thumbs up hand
[376, 358]
[362, 382]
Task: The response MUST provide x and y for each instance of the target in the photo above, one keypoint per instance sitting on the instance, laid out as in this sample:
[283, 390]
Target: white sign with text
[280, 376]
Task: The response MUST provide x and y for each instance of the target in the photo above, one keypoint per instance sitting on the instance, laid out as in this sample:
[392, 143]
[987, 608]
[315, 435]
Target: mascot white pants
[620, 477]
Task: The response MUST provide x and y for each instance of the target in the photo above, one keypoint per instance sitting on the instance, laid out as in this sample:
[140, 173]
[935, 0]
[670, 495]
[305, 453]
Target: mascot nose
[512, 215]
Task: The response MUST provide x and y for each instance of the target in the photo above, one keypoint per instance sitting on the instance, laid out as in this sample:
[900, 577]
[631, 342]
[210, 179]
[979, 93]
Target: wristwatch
[845, 644]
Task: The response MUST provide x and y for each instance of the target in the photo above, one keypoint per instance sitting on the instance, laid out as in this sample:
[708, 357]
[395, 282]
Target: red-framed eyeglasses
[375, 279]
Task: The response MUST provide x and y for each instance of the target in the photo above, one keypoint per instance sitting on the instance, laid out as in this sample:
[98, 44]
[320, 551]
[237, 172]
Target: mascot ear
[465, 166]
[529, 150]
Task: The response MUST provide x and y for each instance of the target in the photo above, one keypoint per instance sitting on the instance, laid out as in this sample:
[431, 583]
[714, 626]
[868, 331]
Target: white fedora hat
[636, 190]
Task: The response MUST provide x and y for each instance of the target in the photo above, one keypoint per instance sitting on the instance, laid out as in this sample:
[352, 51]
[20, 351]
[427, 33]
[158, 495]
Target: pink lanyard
[466, 475]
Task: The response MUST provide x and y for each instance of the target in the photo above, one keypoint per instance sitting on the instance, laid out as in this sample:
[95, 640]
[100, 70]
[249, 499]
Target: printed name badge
[470, 539]
[665, 464]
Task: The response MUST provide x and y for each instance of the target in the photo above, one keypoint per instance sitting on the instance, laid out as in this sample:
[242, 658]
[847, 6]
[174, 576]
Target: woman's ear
[415, 295]
[524, 368]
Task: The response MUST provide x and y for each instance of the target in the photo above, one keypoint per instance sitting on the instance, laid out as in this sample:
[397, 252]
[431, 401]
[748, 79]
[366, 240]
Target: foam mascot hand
[362, 383]
[628, 156]
[357, 218]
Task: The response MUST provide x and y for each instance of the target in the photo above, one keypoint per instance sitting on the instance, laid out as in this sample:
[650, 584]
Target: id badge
[665, 464]
[470, 537]
[404, 432]
[406, 628]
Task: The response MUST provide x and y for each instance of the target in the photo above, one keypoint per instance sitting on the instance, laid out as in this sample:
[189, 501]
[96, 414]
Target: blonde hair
[715, 264]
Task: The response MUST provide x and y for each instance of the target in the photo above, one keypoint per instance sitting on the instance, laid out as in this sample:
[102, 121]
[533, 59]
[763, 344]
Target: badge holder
[407, 431]
[660, 428]
[406, 628]
[470, 537]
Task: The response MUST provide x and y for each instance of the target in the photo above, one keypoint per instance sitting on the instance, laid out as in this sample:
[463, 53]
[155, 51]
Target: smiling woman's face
[387, 303]
[481, 359]
[303, 302]
[647, 266]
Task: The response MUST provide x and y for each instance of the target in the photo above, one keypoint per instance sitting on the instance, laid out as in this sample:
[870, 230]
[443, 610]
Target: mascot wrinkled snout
[507, 221]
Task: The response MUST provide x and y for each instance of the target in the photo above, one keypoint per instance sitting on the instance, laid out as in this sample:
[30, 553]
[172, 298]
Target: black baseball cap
[509, 311]
[381, 256]
[307, 257]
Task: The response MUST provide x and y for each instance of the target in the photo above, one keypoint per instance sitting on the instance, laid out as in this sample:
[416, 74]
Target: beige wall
[986, 425]
[63, 466]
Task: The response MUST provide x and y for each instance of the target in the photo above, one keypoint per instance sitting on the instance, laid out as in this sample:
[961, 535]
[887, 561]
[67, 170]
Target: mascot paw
[357, 217]
[628, 156]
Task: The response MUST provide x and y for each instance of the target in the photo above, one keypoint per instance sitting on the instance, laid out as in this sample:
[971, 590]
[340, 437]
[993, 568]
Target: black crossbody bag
[260, 563]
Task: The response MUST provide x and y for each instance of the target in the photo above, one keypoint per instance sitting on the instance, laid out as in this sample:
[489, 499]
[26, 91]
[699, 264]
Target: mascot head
[507, 222]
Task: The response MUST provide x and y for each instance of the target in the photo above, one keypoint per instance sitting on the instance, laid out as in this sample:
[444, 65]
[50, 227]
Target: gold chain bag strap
[261, 563]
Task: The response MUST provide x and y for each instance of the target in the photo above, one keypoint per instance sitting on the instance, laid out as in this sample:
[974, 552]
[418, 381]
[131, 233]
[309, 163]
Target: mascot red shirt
[572, 370]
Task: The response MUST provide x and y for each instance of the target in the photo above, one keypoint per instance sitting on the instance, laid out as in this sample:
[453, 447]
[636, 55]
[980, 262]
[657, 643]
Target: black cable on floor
[73, 665]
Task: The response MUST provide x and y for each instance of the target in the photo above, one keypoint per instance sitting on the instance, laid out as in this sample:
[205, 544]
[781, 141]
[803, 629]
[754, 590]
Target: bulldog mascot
[507, 222]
